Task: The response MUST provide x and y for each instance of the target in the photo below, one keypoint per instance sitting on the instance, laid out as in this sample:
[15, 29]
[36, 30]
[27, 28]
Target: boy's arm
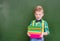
[27, 29]
[46, 29]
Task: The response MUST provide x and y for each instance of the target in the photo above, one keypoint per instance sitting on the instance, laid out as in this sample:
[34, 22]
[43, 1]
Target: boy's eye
[39, 14]
[36, 14]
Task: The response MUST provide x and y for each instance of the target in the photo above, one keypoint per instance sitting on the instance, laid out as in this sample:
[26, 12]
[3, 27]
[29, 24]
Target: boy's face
[39, 15]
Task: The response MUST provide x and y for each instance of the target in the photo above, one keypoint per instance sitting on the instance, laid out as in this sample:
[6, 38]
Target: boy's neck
[38, 20]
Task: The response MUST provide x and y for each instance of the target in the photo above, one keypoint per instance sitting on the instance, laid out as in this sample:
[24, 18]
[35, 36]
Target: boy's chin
[38, 19]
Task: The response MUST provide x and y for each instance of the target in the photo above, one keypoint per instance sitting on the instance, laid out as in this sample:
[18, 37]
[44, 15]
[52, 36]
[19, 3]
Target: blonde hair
[38, 8]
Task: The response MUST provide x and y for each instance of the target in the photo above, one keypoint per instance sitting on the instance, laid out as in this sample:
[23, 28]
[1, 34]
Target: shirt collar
[38, 20]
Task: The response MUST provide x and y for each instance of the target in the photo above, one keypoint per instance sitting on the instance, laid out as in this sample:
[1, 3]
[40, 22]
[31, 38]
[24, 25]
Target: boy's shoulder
[45, 22]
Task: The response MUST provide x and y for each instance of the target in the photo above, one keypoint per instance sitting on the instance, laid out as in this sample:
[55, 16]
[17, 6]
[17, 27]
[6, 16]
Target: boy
[38, 27]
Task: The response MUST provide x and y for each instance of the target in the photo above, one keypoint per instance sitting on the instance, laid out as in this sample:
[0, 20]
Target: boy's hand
[28, 34]
[45, 33]
[41, 35]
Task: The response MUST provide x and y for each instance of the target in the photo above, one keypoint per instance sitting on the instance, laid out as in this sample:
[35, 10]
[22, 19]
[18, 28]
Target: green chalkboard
[15, 16]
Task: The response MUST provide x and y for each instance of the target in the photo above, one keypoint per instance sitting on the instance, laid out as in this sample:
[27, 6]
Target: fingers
[28, 34]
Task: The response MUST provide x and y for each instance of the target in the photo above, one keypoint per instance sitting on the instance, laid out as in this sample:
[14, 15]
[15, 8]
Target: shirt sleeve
[46, 29]
[30, 24]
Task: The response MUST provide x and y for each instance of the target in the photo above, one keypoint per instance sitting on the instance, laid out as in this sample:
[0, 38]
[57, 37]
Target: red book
[35, 36]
